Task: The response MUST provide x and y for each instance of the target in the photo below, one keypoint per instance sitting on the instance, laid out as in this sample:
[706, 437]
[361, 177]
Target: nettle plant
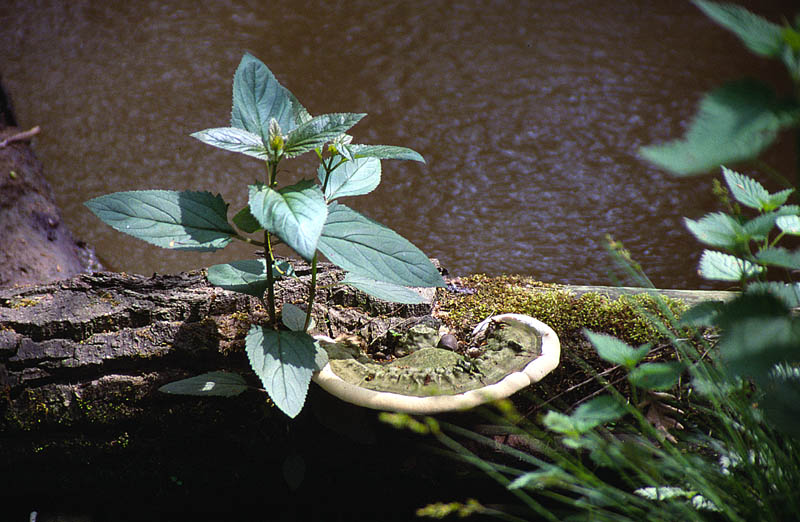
[270, 124]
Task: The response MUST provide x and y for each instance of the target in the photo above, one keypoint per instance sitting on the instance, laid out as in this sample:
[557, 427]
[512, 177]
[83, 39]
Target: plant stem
[270, 280]
[311, 292]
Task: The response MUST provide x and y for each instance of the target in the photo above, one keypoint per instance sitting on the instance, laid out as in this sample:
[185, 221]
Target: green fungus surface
[506, 347]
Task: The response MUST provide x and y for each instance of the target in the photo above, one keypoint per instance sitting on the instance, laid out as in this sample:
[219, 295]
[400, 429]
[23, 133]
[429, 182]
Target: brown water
[529, 115]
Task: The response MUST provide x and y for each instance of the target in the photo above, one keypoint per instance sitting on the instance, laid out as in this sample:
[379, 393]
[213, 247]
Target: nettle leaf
[759, 34]
[284, 361]
[246, 222]
[234, 140]
[748, 191]
[352, 178]
[169, 219]
[724, 267]
[734, 123]
[384, 152]
[753, 346]
[318, 130]
[789, 293]
[587, 416]
[383, 290]
[789, 224]
[702, 314]
[778, 256]
[657, 375]
[294, 318]
[258, 97]
[296, 214]
[615, 351]
[248, 276]
[217, 384]
[370, 250]
[718, 229]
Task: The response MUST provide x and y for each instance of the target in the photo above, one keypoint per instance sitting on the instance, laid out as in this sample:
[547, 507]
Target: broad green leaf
[587, 416]
[656, 376]
[759, 34]
[789, 293]
[549, 477]
[718, 230]
[384, 152]
[248, 276]
[220, 384]
[317, 131]
[352, 178]
[615, 351]
[235, 140]
[169, 219]
[258, 97]
[752, 346]
[246, 222]
[284, 362]
[760, 226]
[724, 267]
[383, 290]
[782, 399]
[734, 123]
[789, 224]
[370, 250]
[296, 214]
[746, 190]
[777, 256]
[294, 318]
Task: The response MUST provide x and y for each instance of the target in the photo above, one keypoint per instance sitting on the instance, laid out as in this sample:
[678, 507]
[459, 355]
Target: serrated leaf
[351, 178]
[789, 293]
[296, 214]
[317, 131]
[234, 140]
[383, 290]
[587, 416]
[702, 314]
[789, 224]
[734, 123]
[384, 152]
[746, 190]
[752, 346]
[724, 267]
[169, 219]
[258, 97]
[294, 318]
[615, 351]
[246, 222]
[758, 34]
[248, 276]
[778, 256]
[217, 384]
[656, 376]
[284, 362]
[368, 249]
[718, 230]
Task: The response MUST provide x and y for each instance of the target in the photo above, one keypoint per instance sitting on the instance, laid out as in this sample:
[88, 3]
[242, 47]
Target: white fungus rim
[512, 383]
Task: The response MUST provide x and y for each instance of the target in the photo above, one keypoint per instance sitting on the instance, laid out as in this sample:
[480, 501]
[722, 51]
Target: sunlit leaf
[724, 267]
[317, 131]
[746, 190]
[220, 384]
[370, 250]
[296, 214]
[383, 290]
[169, 219]
[718, 230]
[248, 276]
[352, 178]
[789, 224]
[778, 256]
[284, 362]
[384, 152]
[587, 416]
[258, 97]
[234, 140]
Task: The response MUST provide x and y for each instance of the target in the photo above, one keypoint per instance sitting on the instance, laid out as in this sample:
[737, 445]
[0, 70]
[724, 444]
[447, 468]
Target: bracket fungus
[512, 351]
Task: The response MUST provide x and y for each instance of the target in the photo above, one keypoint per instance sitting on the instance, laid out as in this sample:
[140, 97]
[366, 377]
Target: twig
[20, 136]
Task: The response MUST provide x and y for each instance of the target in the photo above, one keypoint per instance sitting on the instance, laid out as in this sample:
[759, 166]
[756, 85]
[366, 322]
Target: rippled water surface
[529, 115]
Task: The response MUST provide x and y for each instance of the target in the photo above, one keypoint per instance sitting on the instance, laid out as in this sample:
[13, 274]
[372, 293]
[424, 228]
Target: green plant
[740, 119]
[269, 124]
